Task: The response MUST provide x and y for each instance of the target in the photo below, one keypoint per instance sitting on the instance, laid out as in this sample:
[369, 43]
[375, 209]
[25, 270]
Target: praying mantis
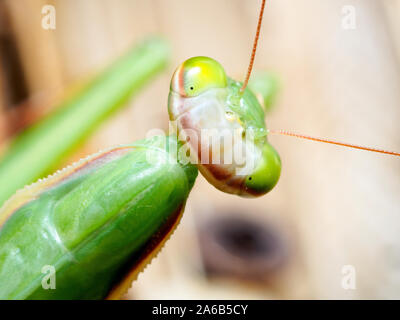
[108, 214]
[102, 219]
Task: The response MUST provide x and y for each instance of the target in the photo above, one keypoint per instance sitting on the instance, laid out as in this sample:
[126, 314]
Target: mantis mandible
[102, 219]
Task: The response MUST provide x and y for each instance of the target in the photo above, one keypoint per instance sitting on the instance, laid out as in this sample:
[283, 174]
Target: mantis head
[224, 128]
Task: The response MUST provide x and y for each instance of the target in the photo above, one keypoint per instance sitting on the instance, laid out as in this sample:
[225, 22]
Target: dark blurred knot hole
[244, 238]
[242, 247]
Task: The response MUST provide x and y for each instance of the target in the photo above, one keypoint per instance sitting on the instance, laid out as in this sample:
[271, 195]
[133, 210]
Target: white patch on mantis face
[214, 133]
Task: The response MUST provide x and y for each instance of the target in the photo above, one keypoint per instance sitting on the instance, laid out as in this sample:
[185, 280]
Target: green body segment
[92, 224]
[37, 152]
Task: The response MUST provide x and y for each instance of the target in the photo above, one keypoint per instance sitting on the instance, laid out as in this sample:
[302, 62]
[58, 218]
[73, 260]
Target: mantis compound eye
[196, 75]
[266, 174]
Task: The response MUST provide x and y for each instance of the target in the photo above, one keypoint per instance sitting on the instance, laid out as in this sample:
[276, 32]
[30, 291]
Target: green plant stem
[40, 148]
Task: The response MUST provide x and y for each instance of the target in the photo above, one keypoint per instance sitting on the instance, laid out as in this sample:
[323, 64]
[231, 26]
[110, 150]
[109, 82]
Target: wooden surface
[333, 206]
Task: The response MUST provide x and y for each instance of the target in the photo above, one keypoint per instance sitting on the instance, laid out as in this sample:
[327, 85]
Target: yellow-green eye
[197, 75]
[267, 173]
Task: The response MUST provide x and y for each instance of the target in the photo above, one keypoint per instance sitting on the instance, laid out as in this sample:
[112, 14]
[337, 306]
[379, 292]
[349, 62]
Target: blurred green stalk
[266, 85]
[40, 148]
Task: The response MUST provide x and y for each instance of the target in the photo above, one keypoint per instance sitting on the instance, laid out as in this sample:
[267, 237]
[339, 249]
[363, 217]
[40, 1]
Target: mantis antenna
[253, 52]
[343, 144]
[292, 134]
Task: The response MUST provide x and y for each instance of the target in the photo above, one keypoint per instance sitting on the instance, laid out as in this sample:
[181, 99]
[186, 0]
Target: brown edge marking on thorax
[140, 260]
